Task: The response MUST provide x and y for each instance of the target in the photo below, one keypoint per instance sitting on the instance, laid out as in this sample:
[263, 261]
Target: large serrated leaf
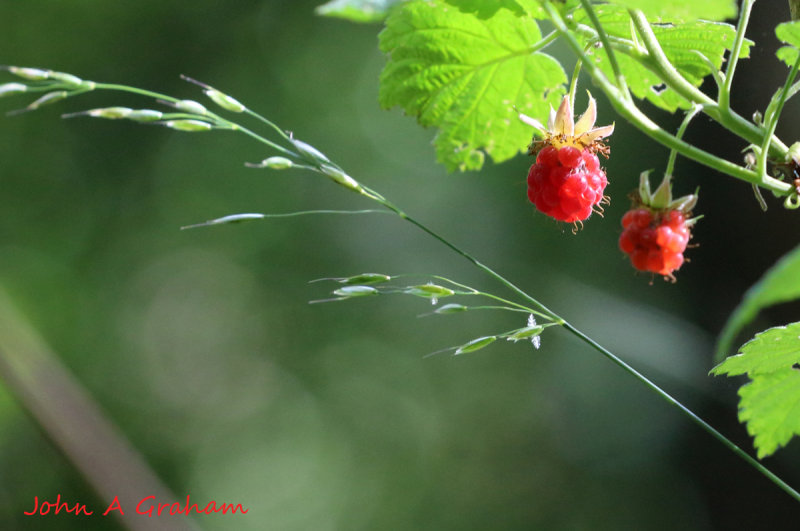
[789, 33]
[781, 283]
[770, 406]
[364, 11]
[772, 350]
[466, 75]
[484, 9]
[682, 43]
[679, 10]
[770, 403]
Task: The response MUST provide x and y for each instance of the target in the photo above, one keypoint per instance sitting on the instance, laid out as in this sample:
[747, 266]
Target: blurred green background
[201, 346]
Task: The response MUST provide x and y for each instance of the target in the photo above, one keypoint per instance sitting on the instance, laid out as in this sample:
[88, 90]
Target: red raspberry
[655, 240]
[566, 181]
[563, 185]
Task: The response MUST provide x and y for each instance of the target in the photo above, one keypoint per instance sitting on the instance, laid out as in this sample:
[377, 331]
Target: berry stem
[673, 154]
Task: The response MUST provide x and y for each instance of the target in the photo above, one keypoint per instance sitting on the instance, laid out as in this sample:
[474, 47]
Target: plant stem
[473, 291]
[729, 119]
[686, 411]
[673, 154]
[548, 312]
[627, 109]
[794, 9]
[612, 58]
[736, 49]
[772, 118]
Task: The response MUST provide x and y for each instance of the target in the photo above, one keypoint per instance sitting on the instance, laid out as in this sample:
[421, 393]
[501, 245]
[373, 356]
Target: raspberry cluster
[566, 183]
[655, 240]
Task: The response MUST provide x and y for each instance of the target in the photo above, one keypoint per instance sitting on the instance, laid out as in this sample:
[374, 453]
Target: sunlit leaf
[357, 10]
[781, 283]
[788, 33]
[672, 10]
[486, 9]
[465, 75]
[770, 403]
[769, 351]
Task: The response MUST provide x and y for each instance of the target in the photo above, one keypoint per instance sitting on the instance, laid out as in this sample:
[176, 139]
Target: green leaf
[789, 33]
[679, 10]
[772, 350]
[781, 283]
[681, 42]
[487, 9]
[770, 403]
[465, 75]
[364, 11]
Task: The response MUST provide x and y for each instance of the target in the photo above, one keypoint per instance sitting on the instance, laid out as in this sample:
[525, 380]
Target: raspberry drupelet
[566, 182]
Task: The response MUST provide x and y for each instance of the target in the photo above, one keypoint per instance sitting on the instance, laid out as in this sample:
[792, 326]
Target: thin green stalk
[673, 154]
[773, 116]
[736, 49]
[269, 123]
[668, 72]
[686, 411]
[240, 218]
[518, 310]
[473, 291]
[548, 312]
[609, 50]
